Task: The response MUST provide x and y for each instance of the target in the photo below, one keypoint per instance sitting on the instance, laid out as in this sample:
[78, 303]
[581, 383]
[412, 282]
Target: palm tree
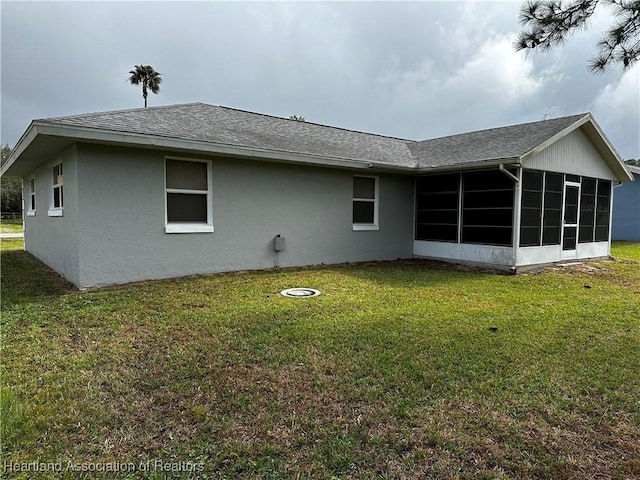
[148, 77]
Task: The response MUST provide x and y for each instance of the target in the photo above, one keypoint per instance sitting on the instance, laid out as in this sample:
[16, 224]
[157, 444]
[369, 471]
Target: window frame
[56, 211]
[189, 227]
[31, 209]
[375, 200]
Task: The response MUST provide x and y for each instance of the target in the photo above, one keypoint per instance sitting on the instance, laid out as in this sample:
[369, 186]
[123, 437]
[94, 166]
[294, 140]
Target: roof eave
[494, 162]
[102, 136]
[23, 143]
[601, 137]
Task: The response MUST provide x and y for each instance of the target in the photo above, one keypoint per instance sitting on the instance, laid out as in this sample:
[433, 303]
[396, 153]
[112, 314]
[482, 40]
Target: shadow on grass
[416, 273]
[25, 279]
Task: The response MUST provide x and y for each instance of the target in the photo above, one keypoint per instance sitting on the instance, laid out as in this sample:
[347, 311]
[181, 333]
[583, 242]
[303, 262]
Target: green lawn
[11, 226]
[398, 370]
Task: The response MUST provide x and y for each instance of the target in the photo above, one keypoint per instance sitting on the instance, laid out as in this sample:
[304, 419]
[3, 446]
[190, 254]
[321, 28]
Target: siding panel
[573, 154]
[626, 211]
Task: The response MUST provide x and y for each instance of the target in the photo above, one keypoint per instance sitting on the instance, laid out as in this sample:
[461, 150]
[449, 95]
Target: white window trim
[32, 196]
[190, 227]
[360, 227]
[56, 211]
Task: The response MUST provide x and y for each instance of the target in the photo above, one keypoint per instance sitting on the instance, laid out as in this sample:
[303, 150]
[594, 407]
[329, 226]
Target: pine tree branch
[547, 23]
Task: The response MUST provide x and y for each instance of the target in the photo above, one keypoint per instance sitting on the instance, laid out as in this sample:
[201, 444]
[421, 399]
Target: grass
[398, 370]
[11, 226]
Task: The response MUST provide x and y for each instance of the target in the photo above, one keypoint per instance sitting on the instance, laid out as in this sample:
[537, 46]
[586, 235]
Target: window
[188, 196]
[437, 204]
[31, 208]
[57, 193]
[365, 203]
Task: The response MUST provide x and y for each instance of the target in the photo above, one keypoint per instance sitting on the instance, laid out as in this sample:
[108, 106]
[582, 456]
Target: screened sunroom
[517, 196]
[512, 217]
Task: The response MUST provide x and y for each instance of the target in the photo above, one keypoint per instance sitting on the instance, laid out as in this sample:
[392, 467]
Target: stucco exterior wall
[573, 154]
[122, 218]
[54, 240]
[626, 211]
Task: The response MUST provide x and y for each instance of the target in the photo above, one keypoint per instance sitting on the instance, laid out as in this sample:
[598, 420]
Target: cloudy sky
[414, 70]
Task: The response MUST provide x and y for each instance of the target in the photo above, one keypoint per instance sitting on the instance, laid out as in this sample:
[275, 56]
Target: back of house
[161, 192]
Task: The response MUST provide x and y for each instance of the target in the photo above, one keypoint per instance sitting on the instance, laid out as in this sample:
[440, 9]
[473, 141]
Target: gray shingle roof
[228, 126]
[485, 145]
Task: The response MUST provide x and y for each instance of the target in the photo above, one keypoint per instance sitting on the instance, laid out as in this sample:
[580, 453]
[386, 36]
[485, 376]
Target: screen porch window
[585, 201]
[603, 203]
[587, 210]
[437, 207]
[470, 207]
[188, 196]
[487, 208]
[553, 200]
[541, 208]
[365, 203]
[531, 208]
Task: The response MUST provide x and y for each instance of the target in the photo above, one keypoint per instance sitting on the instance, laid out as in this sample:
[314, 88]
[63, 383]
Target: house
[626, 209]
[169, 191]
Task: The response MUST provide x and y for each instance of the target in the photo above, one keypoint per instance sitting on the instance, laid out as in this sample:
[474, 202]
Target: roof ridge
[484, 130]
[314, 123]
[139, 109]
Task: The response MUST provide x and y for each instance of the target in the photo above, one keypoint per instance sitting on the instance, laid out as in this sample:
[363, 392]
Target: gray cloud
[414, 70]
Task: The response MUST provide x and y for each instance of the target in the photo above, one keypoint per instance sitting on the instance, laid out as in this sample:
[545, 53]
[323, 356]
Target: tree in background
[635, 163]
[547, 23]
[146, 76]
[6, 151]
[297, 118]
[11, 196]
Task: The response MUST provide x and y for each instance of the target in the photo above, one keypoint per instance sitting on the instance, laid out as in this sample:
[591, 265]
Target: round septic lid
[300, 292]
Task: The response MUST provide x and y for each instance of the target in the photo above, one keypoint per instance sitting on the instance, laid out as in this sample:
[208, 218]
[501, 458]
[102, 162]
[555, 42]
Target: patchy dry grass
[398, 370]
